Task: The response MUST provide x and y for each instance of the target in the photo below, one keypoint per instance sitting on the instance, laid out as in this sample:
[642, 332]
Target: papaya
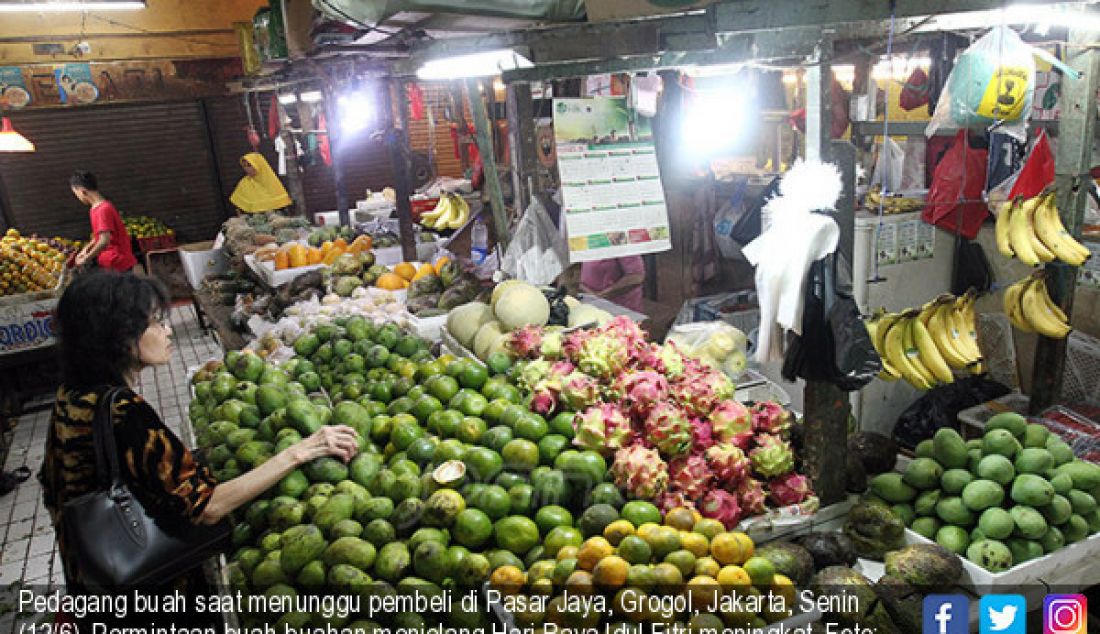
[298, 256]
[282, 260]
[315, 256]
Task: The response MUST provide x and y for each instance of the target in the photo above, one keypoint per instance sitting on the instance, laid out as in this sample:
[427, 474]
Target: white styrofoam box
[430, 328]
[1051, 569]
[273, 278]
[976, 416]
[389, 256]
[201, 259]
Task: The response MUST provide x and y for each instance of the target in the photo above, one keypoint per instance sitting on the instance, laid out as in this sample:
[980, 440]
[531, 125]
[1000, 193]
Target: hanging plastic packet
[992, 84]
[536, 253]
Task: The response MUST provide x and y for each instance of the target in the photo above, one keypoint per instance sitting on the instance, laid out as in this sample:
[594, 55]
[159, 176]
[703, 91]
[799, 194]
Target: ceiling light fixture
[12, 141]
[484, 64]
[45, 6]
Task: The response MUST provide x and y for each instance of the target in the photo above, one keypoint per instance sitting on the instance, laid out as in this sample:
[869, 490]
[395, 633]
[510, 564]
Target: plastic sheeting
[372, 12]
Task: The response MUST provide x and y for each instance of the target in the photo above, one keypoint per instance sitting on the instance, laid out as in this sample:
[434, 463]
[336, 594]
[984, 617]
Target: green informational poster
[611, 184]
[13, 90]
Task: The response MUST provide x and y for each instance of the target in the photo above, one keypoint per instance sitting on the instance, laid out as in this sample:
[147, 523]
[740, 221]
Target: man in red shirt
[110, 244]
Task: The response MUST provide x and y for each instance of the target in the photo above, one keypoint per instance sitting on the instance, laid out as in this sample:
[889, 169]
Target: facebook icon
[946, 614]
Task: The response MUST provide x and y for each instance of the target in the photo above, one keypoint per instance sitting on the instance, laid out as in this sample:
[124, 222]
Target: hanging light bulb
[12, 141]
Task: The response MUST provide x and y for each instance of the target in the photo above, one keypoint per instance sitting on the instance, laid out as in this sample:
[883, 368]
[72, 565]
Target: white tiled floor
[26, 536]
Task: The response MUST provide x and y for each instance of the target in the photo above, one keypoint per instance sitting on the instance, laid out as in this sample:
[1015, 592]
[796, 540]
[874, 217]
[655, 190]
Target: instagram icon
[1065, 614]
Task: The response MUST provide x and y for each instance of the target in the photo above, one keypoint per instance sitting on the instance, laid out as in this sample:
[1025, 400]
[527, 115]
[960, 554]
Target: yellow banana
[1012, 307]
[1000, 226]
[462, 213]
[1044, 292]
[966, 322]
[442, 221]
[1041, 250]
[1039, 316]
[1053, 234]
[930, 355]
[946, 337]
[874, 325]
[439, 210]
[1021, 233]
[913, 352]
[894, 347]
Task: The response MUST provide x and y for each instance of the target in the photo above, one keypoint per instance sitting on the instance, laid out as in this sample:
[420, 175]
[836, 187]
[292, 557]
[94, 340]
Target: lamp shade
[12, 141]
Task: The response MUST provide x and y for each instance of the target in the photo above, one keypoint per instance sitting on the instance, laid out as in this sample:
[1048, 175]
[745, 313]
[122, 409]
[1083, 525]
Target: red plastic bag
[956, 191]
[1037, 172]
[914, 92]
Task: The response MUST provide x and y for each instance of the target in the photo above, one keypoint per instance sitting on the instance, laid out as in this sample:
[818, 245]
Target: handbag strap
[103, 437]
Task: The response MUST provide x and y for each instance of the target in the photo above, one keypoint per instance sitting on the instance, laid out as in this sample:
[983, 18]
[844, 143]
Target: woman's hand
[339, 441]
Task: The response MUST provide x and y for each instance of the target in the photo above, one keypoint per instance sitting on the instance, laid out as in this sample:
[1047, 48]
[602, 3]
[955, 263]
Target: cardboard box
[604, 10]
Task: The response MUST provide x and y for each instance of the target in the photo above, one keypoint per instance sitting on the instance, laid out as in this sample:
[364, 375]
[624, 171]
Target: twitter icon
[1003, 614]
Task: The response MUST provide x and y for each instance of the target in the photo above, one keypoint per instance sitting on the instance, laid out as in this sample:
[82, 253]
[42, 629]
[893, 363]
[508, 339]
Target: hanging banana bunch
[926, 346]
[1030, 308]
[451, 212]
[1032, 231]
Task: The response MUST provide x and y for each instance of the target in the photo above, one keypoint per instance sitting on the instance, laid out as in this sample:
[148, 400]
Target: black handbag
[118, 543]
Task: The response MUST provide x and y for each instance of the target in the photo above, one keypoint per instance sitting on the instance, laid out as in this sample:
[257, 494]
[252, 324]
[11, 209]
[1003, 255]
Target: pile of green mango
[1015, 494]
[455, 476]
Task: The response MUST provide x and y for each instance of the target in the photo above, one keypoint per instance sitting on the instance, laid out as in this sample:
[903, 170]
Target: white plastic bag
[536, 253]
[993, 82]
[890, 166]
[715, 343]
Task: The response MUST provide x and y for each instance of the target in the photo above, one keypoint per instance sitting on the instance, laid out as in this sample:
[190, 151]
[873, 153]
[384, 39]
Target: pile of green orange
[455, 479]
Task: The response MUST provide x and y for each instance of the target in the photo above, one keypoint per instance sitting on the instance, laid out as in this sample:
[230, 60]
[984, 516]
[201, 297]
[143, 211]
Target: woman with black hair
[111, 326]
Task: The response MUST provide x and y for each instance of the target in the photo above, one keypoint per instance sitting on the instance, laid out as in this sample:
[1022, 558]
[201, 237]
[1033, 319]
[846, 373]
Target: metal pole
[399, 161]
[521, 129]
[336, 142]
[488, 162]
[827, 407]
[1076, 133]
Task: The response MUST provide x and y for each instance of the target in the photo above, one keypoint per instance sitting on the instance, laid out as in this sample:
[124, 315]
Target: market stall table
[217, 315]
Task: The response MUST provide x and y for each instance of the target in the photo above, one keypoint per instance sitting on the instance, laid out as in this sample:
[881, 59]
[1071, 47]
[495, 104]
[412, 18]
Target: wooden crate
[165, 265]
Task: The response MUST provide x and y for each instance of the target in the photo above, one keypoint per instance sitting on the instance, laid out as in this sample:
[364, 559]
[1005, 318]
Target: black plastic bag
[940, 407]
[972, 269]
[834, 346]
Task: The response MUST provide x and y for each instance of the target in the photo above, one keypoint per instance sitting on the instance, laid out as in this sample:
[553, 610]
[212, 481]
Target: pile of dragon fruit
[668, 423]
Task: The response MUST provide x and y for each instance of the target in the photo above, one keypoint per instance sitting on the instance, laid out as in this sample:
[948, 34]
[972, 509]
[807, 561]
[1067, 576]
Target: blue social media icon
[1002, 614]
[946, 614]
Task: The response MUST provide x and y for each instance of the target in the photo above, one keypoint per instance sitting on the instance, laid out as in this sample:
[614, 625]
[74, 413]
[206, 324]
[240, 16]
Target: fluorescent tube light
[484, 64]
[311, 96]
[43, 6]
[288, 98]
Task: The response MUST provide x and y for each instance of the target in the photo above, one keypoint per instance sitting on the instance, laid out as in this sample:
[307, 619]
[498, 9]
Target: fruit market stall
[32, 276]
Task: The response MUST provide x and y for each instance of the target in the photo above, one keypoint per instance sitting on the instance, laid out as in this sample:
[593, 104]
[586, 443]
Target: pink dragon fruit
[690, 475]
[699, 389]
[544, 398]
[671, 499]
[573, 343]
[640, 391]
[750, 493]
[602, 356]
[531, 373]
[628, 331]
[667, 429]
[728, 463]
[789, 489]
[526, 342]
[772, 456]
[702, 437]
[602, 428]
[640, 472]
[721, 505]
[551, 344]
[769, 417]
[579, 390]
[665, 359]
[731, 423]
